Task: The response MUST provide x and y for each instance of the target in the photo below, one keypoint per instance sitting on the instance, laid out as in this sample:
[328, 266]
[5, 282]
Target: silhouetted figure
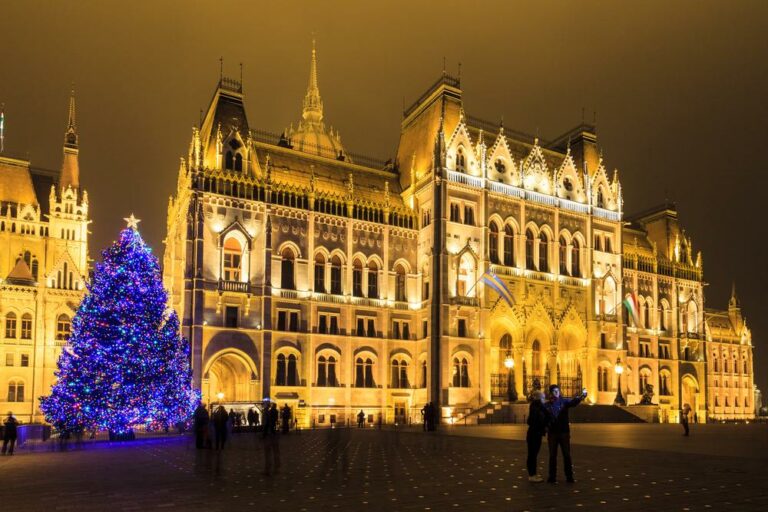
[251, 417]
[220, 419]
[255, 418]
[271, 440]
[286, 418]
[686, 410]
[233, 420]
[559, 431]
[9, 434]
[432, 416]
[537, 427]
[424, 417]
[201, 419]
[360, 419]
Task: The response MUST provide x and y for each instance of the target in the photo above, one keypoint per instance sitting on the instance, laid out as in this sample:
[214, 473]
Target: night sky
[679, 90]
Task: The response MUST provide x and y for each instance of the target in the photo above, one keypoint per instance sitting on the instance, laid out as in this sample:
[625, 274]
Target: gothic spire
[70, 168]
[313, 105]
[734, 302]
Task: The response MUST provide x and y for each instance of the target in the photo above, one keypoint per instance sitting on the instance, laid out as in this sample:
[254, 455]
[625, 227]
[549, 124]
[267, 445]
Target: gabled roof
[20, 274]
[16, 182]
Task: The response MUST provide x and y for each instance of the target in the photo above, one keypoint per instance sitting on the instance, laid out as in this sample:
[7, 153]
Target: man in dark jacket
[559, 431]
[537, 427]
[271, 439]
[9, 434]
[285, 413]
[201, 420]
[220, 419]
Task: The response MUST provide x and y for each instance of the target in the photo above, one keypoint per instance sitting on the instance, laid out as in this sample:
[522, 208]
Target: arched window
[529, 250]
[714, 362]
[292, 374]
[357, 278]
[396, 374]
[336, 275]
[598, 243]
[602, 379]
[645, 376]
[600, 198]
[460, 162]
[364, 373]
[563, 256]
[543, 252]
[320, 273]
[232, 264]
[26, 326]
[322, 371]
[423, 374]
[663, 317]
[692, 317]
[373, 280]
[664, 383]
[745, 367]
[35, 268]
[509, 246]
[608, 244]
[238, 162]
[493, 243]
[287, 280]
[536, 357]
[400, 284]
[229, 161]
[464, 373]
[280, 373]
[456, 372]
[576, 258]
[63, 327]
[16, 391]
[499, 165]
[332, 380]
[10, 325]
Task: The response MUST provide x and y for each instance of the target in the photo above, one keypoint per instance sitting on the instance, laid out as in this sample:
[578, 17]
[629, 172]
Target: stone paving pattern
[395, 470]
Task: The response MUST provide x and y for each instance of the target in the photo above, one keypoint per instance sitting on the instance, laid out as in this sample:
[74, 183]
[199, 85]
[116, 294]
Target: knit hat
[553, 387]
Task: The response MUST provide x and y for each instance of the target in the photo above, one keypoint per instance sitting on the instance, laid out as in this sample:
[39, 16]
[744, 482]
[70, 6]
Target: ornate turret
[70, 168]
[311, 135]
[734, 310]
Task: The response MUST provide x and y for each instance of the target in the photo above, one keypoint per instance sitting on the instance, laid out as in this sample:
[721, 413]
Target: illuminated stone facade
[327, 281]
[43, 265]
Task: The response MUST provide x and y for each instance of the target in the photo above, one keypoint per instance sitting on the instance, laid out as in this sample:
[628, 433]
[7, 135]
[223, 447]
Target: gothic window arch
[598, 243]
[563, 250]
[336, 287]
[576, 258]
[460, 160]
[400, 292]
[509, 245]
[465, 276]
[399, 373]
[600, 198]
[16, 391]
[373, 280]
[232, 254]
[63, 327]
[543, 252]
[364, 372]
[326, 371]
[423, 381]
[233, 158]
[357, 278]
[10, 325]
[608, 247]
[460, 372]
[287, 269]
[26, 326]
[536, 357]
[287, 373]
[493, 242]
[665, 383]
[320, 273]
[529, 241]
[499, 165]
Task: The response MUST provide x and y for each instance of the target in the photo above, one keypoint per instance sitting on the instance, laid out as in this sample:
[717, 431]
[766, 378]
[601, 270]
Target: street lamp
[509, 363]
[220, 395]
[619, 369]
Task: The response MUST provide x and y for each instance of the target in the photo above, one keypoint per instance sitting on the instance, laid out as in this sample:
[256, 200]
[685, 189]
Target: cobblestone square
[461, 469]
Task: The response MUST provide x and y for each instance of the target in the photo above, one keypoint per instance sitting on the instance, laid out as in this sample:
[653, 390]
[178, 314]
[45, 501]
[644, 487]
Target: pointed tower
[734, 310]
[311, 136]
[70, 168]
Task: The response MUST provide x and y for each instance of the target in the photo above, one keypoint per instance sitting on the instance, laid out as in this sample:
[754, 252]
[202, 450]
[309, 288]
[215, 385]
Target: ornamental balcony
[234, 286]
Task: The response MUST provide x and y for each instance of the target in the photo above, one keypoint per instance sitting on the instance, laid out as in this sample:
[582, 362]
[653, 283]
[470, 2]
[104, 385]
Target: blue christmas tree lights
[126, 363]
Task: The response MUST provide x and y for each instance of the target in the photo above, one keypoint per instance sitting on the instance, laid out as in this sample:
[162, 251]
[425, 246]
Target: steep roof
[20, 274]
[16, 182]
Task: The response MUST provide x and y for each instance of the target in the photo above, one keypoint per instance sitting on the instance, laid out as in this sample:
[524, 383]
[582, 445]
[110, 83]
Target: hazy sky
[679, 89]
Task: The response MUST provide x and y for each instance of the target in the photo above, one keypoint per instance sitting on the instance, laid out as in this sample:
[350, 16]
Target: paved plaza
[618, 467]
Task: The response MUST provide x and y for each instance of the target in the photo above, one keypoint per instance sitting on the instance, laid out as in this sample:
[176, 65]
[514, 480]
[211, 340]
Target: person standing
[201, 419]
[220, 419]
[559, 431]
[360, 419]
[9, 434]
[424, 417]
[537, 427]
[251, 421]
[271, 440]
[286, 417]
[684, 419]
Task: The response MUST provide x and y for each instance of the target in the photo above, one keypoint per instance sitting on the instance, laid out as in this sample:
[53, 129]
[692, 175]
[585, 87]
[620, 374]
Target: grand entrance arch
[230, 378]
[690, 390]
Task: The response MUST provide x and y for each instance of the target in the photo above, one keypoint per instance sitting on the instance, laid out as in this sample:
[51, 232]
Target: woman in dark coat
[537, 427]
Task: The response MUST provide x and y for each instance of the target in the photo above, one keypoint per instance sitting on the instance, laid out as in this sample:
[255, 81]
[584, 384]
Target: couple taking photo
[549, 416]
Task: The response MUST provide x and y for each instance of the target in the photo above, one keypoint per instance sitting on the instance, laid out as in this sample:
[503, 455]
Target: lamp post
[220, 396]
[509, 363]
[619, 369]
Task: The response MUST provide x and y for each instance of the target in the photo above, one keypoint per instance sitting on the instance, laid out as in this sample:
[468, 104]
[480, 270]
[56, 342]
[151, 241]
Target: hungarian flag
[630, 302]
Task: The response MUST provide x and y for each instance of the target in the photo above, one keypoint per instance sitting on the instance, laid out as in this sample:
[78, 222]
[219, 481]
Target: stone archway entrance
[229, 379]
[690, 390]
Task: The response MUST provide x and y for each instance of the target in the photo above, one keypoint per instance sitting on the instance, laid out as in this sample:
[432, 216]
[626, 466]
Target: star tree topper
[132, 221]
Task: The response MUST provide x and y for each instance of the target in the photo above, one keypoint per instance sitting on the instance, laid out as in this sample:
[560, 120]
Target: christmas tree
[125, 363]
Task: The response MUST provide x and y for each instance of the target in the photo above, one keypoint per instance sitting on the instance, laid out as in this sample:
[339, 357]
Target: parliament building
[43, 271]
[335, 283]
